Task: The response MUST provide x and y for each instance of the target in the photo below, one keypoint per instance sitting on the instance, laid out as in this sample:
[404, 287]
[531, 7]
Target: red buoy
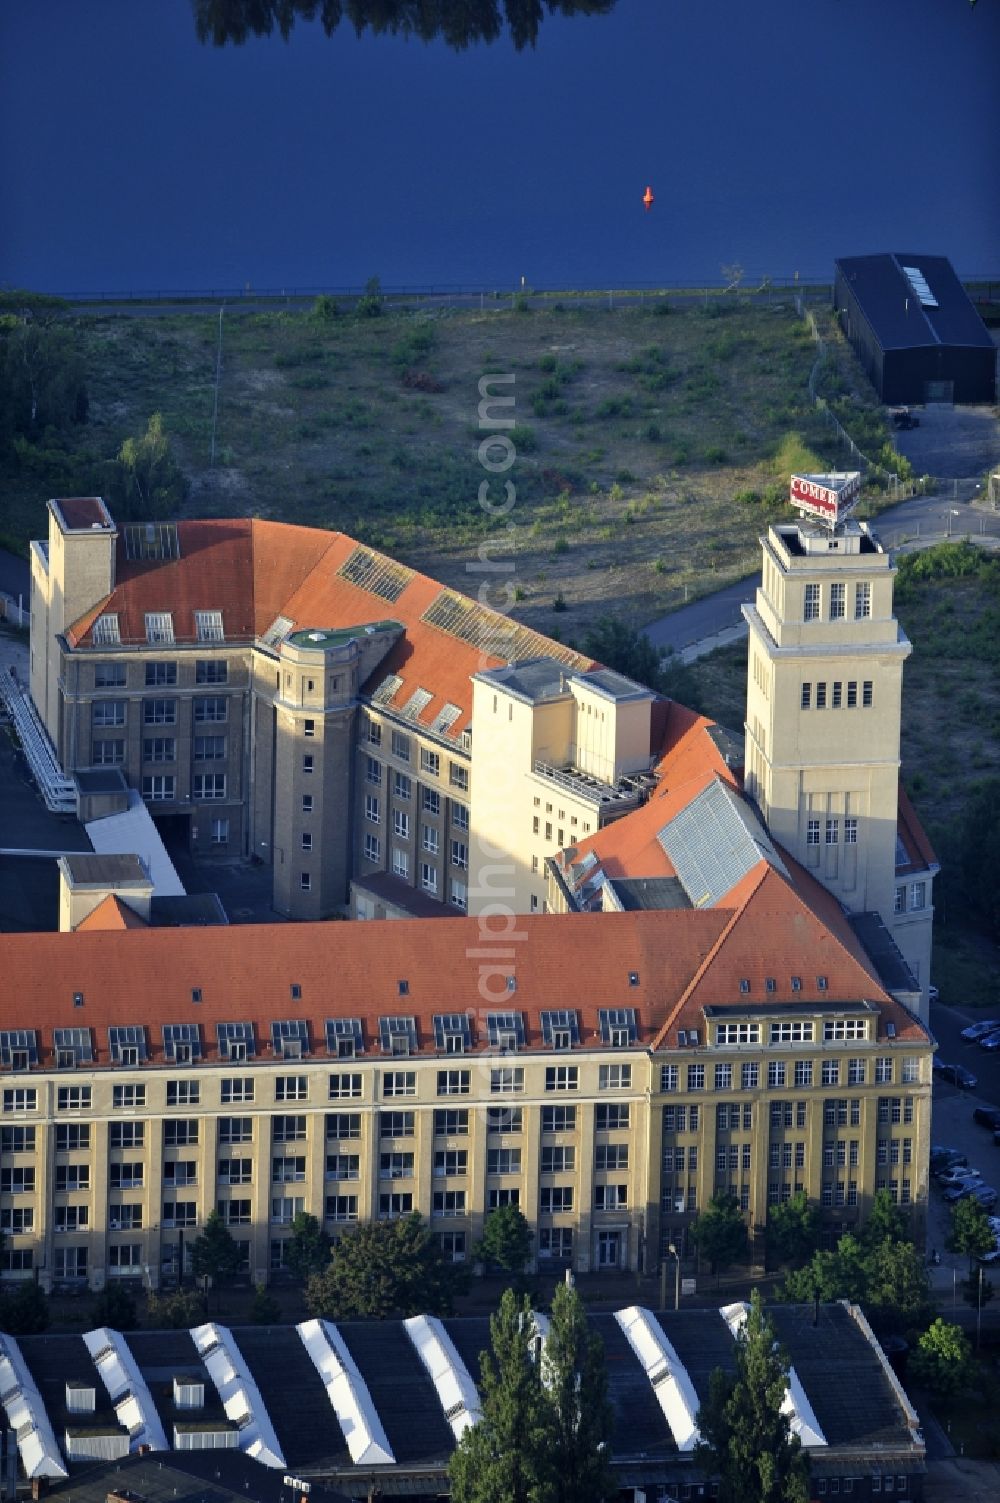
[647, 199]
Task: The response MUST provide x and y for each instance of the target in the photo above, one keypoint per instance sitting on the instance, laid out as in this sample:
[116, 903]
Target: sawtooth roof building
[356, 1406]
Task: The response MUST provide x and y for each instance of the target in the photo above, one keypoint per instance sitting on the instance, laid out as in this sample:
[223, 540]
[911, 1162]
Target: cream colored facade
[610, 1153]
[824, 707]
[557, 756]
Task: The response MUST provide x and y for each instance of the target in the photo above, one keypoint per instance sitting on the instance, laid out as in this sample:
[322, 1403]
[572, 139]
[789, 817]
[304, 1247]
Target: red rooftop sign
[829, 497]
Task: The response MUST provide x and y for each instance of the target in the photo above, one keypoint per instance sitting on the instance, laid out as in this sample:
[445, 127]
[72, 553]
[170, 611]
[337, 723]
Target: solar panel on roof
[490, 631]
[918, 282]
[714, 842]
[151, 540]
[375, 573]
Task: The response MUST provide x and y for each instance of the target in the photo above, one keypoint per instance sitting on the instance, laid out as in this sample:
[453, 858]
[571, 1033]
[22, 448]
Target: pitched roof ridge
[753, 880]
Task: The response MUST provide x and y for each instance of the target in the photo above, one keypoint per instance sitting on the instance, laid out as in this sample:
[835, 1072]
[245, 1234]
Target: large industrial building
[915, 329]
[673, 977]
[376, 1408]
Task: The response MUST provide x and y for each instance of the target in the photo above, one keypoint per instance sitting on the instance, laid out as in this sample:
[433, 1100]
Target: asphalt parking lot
[953, 1127]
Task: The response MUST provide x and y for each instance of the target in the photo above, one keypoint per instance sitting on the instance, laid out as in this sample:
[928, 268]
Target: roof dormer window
[208, 626]
[159, 627]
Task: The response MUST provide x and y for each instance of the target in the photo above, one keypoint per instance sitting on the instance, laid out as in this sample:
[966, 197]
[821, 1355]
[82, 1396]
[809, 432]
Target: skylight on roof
[387, 689]
[445, 718]
[918, 282]
[151, 540]
[159, 627]
[208, 626]
[277, 631]
[714, 842]
[417, 703]
[375, 573]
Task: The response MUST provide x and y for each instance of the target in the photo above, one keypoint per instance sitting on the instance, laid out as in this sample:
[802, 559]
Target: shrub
[324, 308]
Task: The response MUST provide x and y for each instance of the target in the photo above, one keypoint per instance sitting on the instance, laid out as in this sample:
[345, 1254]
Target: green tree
[177, 1310]
[897, 1296]
[147, 482]
[620, 646]
[970, 1230]
[24, 1311]
[978, 837]
[116, 1308]
[793, 1229]
[885, 1222]
[746, 1441]
[264, 1308]
[385, 1268]
[506, 1241]
[214, 1254]
[508, 1456]
[41, 379]
[308, 1249]
[576, 1387]
[372, 301]
[720, 1232]
[943, 1359]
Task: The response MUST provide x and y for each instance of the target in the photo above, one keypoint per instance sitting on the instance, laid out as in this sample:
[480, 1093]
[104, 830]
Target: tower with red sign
[824, 698]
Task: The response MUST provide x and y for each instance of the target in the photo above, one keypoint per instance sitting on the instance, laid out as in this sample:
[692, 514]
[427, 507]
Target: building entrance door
[609, 1249]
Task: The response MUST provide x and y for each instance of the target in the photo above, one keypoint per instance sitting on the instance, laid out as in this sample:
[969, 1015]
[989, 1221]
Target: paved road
[912, 522]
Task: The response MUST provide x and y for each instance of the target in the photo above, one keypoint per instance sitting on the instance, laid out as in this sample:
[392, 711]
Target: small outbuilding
[914, 328]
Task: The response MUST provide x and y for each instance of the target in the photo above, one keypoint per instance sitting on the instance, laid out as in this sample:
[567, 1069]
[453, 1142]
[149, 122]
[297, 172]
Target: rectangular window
[866, 694]
[562, 1077]
[830, 1072]
[430, 839]
[749, 1076]
[832, 831]
[448, 1203]
[507, 1080]
[183, 1092]
[399, 1083]
[776, 1073]
[158, 788]
[837, 598]
[160, 675]
[343, 1166]
[235, 1129]
[210, 748]
[737, 1033]
[723, 1077]
[608, 1156]
[288, 1129]
[616, 1118]
[453, 1082]
[400, 863]
[430, 801]
[806, 696]
[73, 1098]
[812, 602]
[560, 1118]
[341, 1208]
[803, 1072]
[210, 710]
[107, 753]
[883, 1070]
[452, 1162]
[402, 787]
[458, 776]
[396, 1203]
[459, 815]
[812, 832]
[373, 848]
[208, 785]
[791, 1033]
[109, 675]
[158, 712]
[555, 1200]
[343, 1125]
[128, 1097]
[454, 1123]
[821, 696]
[107, 712]
[862, 600]
[211, 671]
[696, 1077]
[610, 1197]
[918, 896]
[373, 771]
[159, 749]
[237, 1088]
[838, 694]
[850, 830]
[615, 1078]
[126, 1134]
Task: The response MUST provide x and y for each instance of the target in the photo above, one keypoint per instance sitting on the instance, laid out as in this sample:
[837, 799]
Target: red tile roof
[354, 970]
[255, 571]
[915, 842]
[111, 913]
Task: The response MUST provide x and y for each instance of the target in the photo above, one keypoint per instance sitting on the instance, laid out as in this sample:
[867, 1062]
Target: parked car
[986, 1196]
[964, 1079]
[902, 417]
[980, 1029]
[991, 1041]
[984, 1193]
[987, 1116]
[991, 1257]
[945, 1158]
[952, 1177]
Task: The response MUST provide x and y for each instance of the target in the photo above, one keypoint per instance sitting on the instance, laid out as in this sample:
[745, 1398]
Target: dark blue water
[776, 134]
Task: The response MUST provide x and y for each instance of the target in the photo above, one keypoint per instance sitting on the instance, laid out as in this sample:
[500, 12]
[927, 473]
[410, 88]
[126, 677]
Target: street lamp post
[672, 1251]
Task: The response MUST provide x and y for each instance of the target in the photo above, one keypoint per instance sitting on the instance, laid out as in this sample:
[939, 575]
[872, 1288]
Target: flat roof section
[533, 680]
[82, 514]
[88, 870]
[321, 637]
[612, 685]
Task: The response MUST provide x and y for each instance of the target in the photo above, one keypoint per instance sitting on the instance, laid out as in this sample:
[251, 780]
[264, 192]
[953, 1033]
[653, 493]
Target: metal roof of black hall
[184, 1477]
[894, 310]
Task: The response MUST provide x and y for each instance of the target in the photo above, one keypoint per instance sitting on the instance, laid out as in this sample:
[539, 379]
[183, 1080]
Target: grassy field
[650, 448]
[954, 625]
